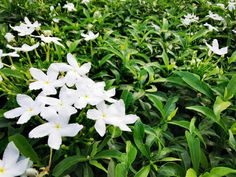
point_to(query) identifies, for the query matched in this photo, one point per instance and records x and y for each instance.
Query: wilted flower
(189, 18)
(55, 129)
(28, 108)
(89, 36)
(70, 7)
(11, 165)
(9, 37)
(113, 114)
(24, 47)
(215, 48)
(214, 16)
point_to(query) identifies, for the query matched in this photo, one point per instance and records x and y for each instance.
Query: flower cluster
(189, 18)
(75, 91)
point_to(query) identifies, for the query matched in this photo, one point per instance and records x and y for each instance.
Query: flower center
(104, 115)
(86, 96)
(46, 82)
(57, 126)
(2, 170)
(30, 109)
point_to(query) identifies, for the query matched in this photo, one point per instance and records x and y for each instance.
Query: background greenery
(185, 98)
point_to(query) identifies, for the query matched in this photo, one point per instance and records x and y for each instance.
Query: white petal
(84, 69)
(72, 60)
(52, 73)
(25, 117)
(20, 167)
(124, 127)
(100, 127)
(36, 85)
(130, 119)
(215, 44)
(48, 113)
(10, 155)
(13, 113)
(71, 130)
(38, 74)
(223, 51)
(49, 100)
(24, 100)
(54, 140)
(41, 131)
(93, 114)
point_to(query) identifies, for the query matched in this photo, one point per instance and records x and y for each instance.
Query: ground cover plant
(117, 88)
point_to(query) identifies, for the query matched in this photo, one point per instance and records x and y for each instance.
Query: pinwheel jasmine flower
(90, 36)
(70, 7)
(62, 106)
(24, 47)
(48, 39)
(215, 48)
(74, 71)
(9, 37)
(10, 165)
(47, 82)
(11, 54)
(189, 18)
(23, 30)
(28, 108)
(210, 27)
(36, 25)
(214, 16)
(55, 129)
(113, 114)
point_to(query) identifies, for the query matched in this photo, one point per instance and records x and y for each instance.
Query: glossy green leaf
(191, 173)
(219, 172)
(157, 103)
(143, 172)
(230, 90)
(24, 147)
(220, 106)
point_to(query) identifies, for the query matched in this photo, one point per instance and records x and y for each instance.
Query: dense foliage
(163, 64)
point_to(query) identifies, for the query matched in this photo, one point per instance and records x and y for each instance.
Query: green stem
(28, 57)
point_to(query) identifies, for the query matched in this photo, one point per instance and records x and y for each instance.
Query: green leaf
(232, 58)
(12, 73)
(191, 173)
(199, 34)
(220, 106)
(127, 97)
(194, 149)
(165, 59)
(138, 139)
(219, 172)
(111, 169)
(97, 164)
(131, 153)
(157, 103)
(230, 90)
(195, 82)
(121, 170)
(67, 163)
(143, 172)
(108, 154)
(232, 141)
(24, 147)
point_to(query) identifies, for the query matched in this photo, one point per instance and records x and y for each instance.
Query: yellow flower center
(86, 96)
(2, 170)
(46, 82)
(30, 109)
(104, 115)
(57, 126)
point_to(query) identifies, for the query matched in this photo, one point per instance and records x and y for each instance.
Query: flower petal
(100, 127)
(41, 131)
(54, 140)
(24, 100)
(71, 130)
(38, 74)
(14, 113)
(20, 167)
(10, 155)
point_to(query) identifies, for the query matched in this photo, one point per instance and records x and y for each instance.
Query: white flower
(156, 27)
(214, 16)
(51, 8)
(85, 1)
(215, 48)
(113, 114)
(36, 25)
(47, 82)
(11, 54)
(89, 36)
(220, 5)
(70, 7)
(62, 106)
(210, 27)
(23, 30)
(55, 129)
(28, 108)
(24, 47)
(10, 165)
(48, 39)
(56, 20)
(231, 5)
(189, 18)
(9, 37)
(74, 71)
(234, 31)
